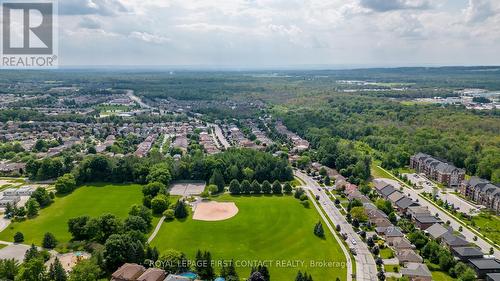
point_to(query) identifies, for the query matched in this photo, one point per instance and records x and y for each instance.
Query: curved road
(366, 269)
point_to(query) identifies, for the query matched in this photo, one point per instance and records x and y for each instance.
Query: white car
(353, 241)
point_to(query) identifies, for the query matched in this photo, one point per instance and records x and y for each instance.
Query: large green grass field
(266, 228)
(91, 200)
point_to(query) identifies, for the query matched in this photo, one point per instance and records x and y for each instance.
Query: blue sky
(263, 33)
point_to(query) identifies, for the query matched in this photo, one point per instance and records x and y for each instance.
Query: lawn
(378, 172)
(390, 267)
(488, 225)
(92, 200)
(278, 230)
(386, 253)
(437, 274)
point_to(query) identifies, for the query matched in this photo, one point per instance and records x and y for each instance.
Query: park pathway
(157, 228)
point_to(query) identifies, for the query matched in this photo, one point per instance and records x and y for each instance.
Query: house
(416, 272)
(414, 211)
(379, 185)
(404, 203)
(408, 256)
(395, 196)
(451, 240)
(485, 266)
(493, 277)
(386, 191)
(393, 231)
(128, 272)
(425, 221)
(467, 253)
(438, 170)
(482, 192)
(399, 243)
(152, 274)
(380, 222)
(12, 168)
(437, 230)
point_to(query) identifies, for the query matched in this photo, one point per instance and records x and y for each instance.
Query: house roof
(393, 231)
(493, 276)
(416, 210)
(437, 230)
(453, 240)
(427, 219)
(379, 185)
(485, 263)
(388, 190)
(468, 251)
(416, 269)
(408, 255)
(152, 274)
(395, 196)
(405, 202)
(128, 271)
(400, 243)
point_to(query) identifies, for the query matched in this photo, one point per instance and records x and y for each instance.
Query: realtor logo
(28, 34)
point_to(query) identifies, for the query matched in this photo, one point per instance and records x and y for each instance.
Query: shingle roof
(395, 196)
(152, 274)
(437, 230)
(485, 263)
(453, 240)
(493, 276)
(393, 231)
(128, 271)
(416, 269)
(388, 190)
(405, 202)
(468, 251)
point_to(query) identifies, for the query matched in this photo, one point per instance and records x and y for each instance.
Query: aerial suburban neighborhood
(353, 140)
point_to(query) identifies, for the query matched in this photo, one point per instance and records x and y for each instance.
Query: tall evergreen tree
(287, 188)
(266, 187)
(277, 187)
(256, 189)
(218, 180)
(234, 187)
(318, 230)
(246, 187)
(180, 211)
(49, 241)
(57, 272)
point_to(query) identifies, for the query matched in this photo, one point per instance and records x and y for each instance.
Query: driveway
(366, 269)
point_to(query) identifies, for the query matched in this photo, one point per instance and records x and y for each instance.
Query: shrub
(169, 214)
(18, 237)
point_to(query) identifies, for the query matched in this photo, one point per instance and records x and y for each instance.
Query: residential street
(220, 136)
(469, 235)
(366, 268)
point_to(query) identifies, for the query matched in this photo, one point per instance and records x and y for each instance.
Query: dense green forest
(395, 131)
(361, 106)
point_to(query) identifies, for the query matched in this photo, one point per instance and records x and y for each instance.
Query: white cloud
(480, 10)
(149, 38)
(282, 32)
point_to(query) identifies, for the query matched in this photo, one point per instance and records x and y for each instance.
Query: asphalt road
(366, 269)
